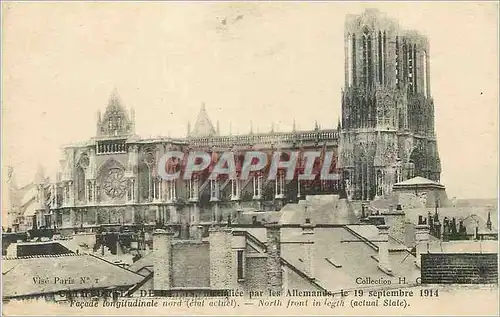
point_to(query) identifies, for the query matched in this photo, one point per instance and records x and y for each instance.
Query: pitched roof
(203, 126)
(340, 256)
(100, 273)
(418, 181)
(370, 233)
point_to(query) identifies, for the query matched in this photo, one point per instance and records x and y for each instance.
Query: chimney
(162, 255)
(221, 260)
(421, 240)
(396, 220)
(273, 265)
(383, 249)
(308, 244)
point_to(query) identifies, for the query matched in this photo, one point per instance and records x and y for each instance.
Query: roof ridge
(363, 239)
(134, 288)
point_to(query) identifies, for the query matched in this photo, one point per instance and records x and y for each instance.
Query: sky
(265, 63)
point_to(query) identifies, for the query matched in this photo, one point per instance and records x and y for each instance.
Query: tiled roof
(370, 233)
(18, 274)
(341, 255)
(340, 258)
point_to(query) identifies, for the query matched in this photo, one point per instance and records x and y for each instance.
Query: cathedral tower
(387, 131)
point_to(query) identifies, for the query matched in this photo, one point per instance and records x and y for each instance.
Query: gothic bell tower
(387, 132)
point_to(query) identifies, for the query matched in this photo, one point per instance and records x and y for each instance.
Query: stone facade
(387, 133)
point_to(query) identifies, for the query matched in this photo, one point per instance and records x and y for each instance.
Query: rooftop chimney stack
(162, 254)
(308, 233)
(273, 244)
(221, 259)
(383, 249)
(421, 239)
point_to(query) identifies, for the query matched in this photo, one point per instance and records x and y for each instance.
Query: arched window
(80, 176)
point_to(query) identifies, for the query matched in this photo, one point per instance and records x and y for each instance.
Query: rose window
(115, 184)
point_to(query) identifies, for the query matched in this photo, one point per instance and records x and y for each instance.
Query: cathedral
(386, 135)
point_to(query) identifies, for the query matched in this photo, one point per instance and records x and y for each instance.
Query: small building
(420, 192)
